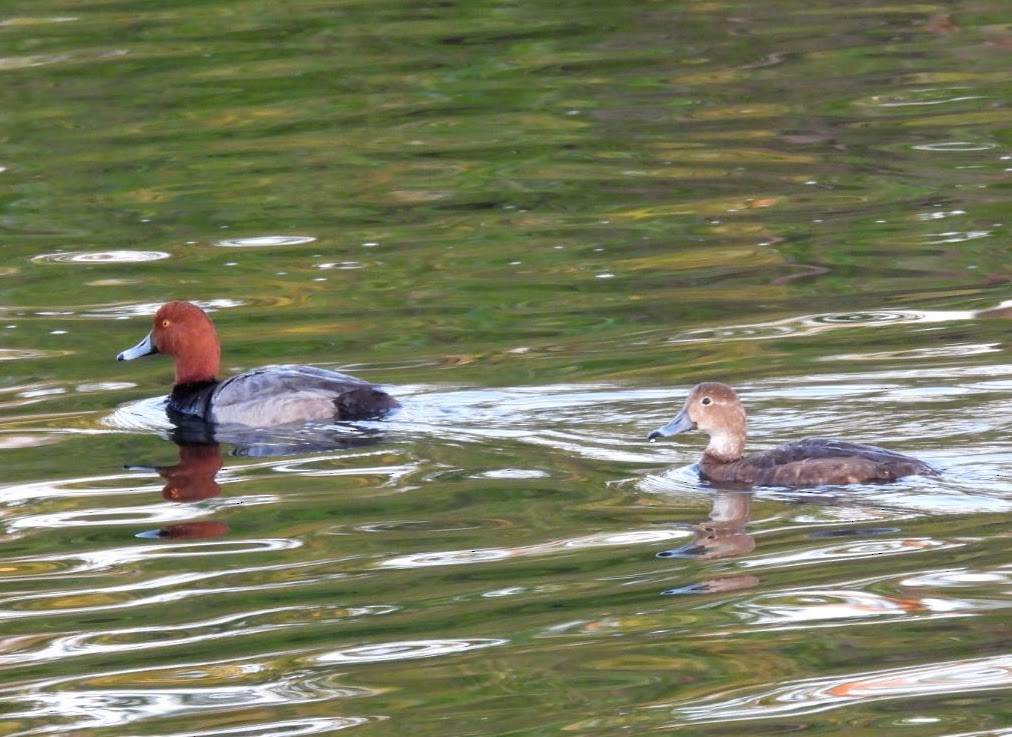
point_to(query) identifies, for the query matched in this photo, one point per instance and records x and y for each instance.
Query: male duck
(263, 397)
(715, 409)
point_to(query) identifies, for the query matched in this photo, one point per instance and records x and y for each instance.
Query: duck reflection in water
(194, 477)
(723, 534)
(715, 409)
(271, 442)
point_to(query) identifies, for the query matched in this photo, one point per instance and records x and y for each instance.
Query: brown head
(714, 409)
(184, 332)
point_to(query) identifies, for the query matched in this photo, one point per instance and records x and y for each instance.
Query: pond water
(538, 224)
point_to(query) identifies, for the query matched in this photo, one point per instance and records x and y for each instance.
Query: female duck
(264, 397)
(715, 410)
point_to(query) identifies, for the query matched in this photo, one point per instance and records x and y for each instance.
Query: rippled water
(538, 225)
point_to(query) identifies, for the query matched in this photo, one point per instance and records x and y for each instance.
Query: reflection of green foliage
(500, 193)
(538, 177)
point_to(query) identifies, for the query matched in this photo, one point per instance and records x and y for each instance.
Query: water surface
(539, 224)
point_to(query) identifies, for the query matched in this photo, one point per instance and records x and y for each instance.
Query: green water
(538, 224)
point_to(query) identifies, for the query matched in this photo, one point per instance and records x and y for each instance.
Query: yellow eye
(166, 323)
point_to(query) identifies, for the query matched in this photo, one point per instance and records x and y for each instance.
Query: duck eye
(705, 400)
(166, 323)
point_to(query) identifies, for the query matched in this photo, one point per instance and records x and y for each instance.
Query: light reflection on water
(265, 241)
(467, 557)
(103, 257)
(377, 552)
(810, 325)
(409, 650)
(813, 607)
(15, 354)
(148, 309)
(120, 705)
(541, 227)
(817, 694)
(240, 624)
(45, 566)
(123, 515)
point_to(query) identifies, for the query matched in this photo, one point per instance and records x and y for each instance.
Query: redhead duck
(715, 410)
(264, 397)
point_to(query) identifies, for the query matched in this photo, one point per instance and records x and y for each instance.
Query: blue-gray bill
(145, 348)
(681, 423)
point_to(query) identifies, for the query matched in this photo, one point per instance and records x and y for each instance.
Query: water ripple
(100, 257)
(818, 694)
(116, 699)
(956, 236)
(130, 639)
(157, 589)
(265, 241)
(955, 146)
(818, 606)
(844, 551)
(26, 20)
(908, 354)
(148, 309)
(408, 650)
(16, 354)
(466, 557)
(319, 466)
(159, 514)
(87, 486)
(126, 556)
(921, 97)
(806, 325)
(39, 60)
(960, 578)
(512, 473)
(283, 728)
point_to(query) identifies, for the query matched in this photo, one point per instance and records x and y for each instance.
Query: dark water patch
(854, 532)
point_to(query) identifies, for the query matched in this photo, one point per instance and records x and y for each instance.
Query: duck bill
(145, 348)
(681, 423)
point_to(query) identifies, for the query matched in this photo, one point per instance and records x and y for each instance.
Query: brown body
(715, 409)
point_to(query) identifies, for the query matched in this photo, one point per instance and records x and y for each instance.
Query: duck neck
(725, 446)
(198, 365)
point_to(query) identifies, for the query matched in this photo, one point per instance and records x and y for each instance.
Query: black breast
(192, 400)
